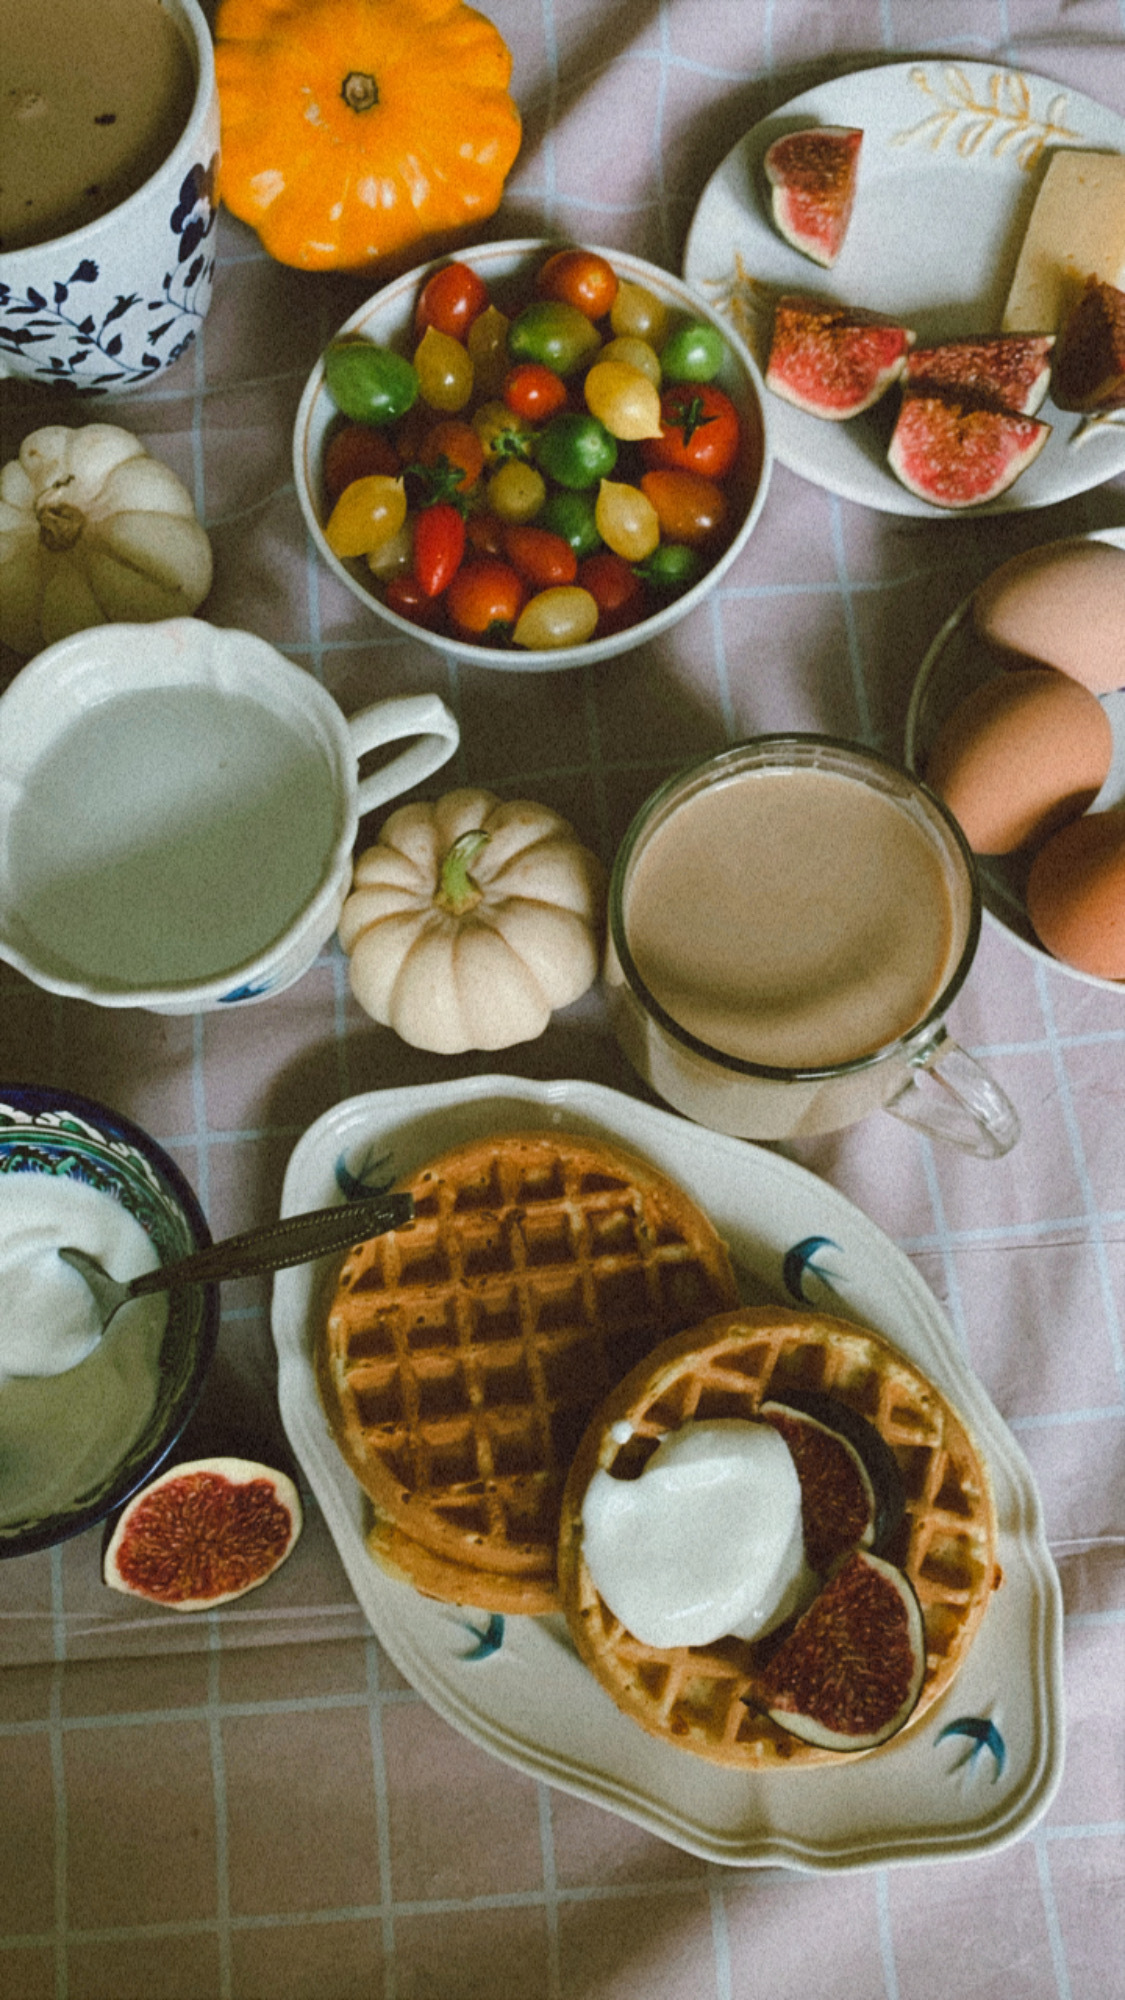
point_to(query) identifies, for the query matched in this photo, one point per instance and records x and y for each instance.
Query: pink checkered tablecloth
(255, 1804)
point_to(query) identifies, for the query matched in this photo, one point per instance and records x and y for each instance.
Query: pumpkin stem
(456, 890)
(60, 525)
(359, 91)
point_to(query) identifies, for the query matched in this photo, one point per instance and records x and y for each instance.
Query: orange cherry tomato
(578, 278)
(453, 457)
(534, 391)
(485, 598)
(616, 588)
(689, 508)
(543, 559)
(700, 431)
(355, 452)
(450, 301)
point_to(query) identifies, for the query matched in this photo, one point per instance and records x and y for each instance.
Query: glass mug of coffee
(109, 152)
(789, 922)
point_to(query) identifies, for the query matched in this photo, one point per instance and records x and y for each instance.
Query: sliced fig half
(1090, 357)
(850, 1673)
(852, 1494)
(812, 176)
(832, 360)
(956, 454)
(202, 1533)
(1008, 371)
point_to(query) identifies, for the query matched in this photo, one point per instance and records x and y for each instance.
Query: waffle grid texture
(703, 1697)
(464, 1355)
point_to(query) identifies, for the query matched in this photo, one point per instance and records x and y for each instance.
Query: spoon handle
(292, 1240)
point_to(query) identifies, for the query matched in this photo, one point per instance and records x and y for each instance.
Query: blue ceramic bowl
(53, 1132)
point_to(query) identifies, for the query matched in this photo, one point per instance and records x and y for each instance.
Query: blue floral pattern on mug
(94, 344)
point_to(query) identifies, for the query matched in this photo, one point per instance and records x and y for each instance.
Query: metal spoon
(295, 1239)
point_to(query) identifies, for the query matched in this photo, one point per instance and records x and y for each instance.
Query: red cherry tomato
(439, 544)
(355, 452)
(451, 301)
(484, 533)
(578, 278)
(689, 508)
(534, 391)
(617, 591)
(453, 455)
(701, 431)
(542, 558)
(485, 598)
(405, 595)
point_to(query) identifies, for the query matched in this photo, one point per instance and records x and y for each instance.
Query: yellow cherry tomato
(502, 433)
(517, 491)
(638, 311)
(562, 616)
(368, 513)
(487, 345)
(626, 520)
(623, 399)
(635, 353)
(394, 556)
(444, 370)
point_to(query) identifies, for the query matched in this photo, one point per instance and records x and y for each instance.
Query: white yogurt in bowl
(63, 1430)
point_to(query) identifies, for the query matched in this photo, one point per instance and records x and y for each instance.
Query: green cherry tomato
(575, 450)
(694, 353)
(571, 514)
(369, 383)
(672, 568)
(557, 335)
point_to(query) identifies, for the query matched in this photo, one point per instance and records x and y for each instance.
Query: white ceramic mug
(178, 810)
(893, 963)
(110, 305)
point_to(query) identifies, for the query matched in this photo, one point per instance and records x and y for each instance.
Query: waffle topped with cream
(706, 1697)
(464, 1354)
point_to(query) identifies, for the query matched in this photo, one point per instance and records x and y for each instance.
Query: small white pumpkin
(471, 920)
(93, 531)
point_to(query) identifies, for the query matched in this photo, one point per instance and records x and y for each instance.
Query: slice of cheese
(1077, 229)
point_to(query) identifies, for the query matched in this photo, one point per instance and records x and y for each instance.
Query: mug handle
(423, 715)
(951, 1097)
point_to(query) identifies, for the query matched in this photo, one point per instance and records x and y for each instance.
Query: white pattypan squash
(471, 920)
(94, 532)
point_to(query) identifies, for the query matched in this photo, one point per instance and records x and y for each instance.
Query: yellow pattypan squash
(353, 130)
(94, 532)
(471, 920)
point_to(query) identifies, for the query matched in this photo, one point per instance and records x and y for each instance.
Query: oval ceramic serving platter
(956, 663)
(952, 158)
(986, 1762)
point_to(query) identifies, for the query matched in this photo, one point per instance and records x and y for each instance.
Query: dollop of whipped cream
(706, 1542)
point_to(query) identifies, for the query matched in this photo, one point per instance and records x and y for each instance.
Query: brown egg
(1063, 605)
(1020, 756)
(1076, 894)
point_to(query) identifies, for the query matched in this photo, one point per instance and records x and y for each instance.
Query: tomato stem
(359, 90)
(456, 890)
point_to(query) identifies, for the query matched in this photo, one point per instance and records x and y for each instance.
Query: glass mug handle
(950, 1096)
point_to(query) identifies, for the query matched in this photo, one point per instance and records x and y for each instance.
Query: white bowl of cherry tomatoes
(532, 455)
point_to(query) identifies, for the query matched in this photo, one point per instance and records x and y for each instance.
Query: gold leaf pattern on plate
(1003, 122)
(748, 303)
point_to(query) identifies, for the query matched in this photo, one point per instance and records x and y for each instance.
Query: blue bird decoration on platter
(801, 1261)
(487, 1642)
(981, 1734)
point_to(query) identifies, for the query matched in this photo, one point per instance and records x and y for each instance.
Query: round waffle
(464, 1354)
(703, 1697)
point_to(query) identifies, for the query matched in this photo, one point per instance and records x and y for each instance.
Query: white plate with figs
(982, 1765)
(951, 161)
(956, 663)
